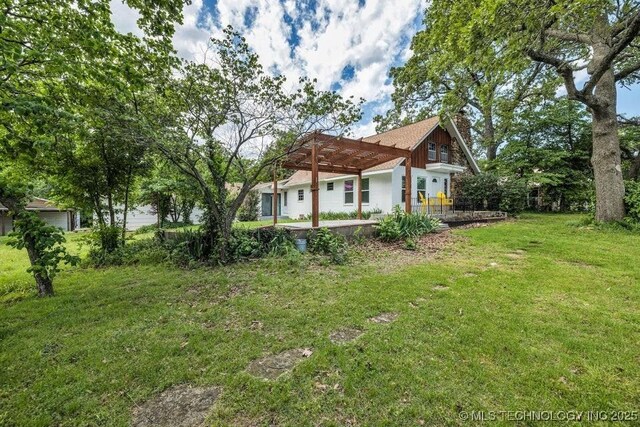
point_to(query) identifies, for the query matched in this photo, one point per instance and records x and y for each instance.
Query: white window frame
(344, 198)
(429, 151)
(362, 190)
(446, 153)
(330, 186)
(300, 196)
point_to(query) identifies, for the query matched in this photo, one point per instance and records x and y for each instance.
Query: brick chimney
(464, 126)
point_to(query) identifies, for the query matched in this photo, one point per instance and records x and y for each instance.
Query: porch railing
(434, 205)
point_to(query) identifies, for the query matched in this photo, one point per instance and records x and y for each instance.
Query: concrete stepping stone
(179, 406)
(384, 318)
(440, 288)
(345, 335)
(271, 367)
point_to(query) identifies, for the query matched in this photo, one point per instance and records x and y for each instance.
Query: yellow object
(444, 201)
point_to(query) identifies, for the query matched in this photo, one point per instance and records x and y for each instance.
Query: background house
(440, 154)
(66, 219)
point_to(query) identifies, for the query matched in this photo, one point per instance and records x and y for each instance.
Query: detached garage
(46, 210)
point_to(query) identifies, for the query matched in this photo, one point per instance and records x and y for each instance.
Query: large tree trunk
(606, 158)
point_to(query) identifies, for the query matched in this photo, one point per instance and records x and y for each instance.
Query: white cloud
(371, 39)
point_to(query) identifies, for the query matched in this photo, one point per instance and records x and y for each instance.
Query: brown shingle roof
(405, 137)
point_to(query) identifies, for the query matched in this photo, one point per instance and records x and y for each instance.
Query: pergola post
(407, 186)
(275, 195)
(359, 194)
(315, 215)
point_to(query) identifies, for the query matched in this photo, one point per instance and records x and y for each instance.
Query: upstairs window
(444, 154)
(365, 190)
(432, 151)
(348, 192)
(329, 186)
(300, 195)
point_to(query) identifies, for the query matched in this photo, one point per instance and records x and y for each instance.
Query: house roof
(39, 204)
(406, 137)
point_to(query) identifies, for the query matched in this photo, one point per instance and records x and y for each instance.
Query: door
(267, 204)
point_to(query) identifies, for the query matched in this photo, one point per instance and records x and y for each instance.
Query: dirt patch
(470, 274)
(514, 255)
(271, 367)
(345, 335)
(384, 318)
(179, 406)
(440, 288)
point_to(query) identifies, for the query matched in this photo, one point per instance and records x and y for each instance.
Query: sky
(348, 46)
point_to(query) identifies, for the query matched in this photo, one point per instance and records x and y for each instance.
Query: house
(144, 215)
(66, 219)
(439, 153)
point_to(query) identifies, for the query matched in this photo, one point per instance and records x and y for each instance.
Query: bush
(408, 226)
(333, 216)
(490, 192)
(632, 200)
(249, 209)
(513, 197)
(324, 242)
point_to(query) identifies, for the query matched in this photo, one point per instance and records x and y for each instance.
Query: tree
(235, 123)
(598, 36)
(439, 77)
(550, 148)
(46, 46)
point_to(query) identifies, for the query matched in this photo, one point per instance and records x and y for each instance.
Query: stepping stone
(384, 318)
(493, 264)
(469, 274)
(271, 367)
(345, 335)
(179, 406)
(440, 288)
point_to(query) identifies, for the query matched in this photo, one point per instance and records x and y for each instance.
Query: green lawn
(536, 315)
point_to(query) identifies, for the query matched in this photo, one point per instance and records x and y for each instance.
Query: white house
(66, 219)
(440, 153)
(146, 215)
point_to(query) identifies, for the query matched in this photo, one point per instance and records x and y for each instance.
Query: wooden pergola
(318, 152)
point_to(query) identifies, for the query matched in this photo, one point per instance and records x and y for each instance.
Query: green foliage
(408, 226)
(487, 191)
(46, 241)
(249, 209)
(632, 200)
(323, 241)
(332, 216)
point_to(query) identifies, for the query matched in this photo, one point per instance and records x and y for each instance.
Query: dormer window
(444, 154)
(432, 151)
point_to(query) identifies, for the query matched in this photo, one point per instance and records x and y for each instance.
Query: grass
(538, 315)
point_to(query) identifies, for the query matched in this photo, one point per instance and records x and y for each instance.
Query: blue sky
(348, 46)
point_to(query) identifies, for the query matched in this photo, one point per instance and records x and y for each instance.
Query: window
(446, 187)
(421, 187)
(404, 187)
(365, 190)
(329, 186)
(285, 198)
(348, 192)
(444, 154)
(432, 151)
(300, 195)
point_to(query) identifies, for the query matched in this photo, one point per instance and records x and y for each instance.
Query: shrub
(249, 209)
(489, 191)
(632, 200)
(408, 226)
(324, 242)
(333, 216)
(513, 197)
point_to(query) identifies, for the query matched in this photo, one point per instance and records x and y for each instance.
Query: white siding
(57, 219)
(143, 215)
